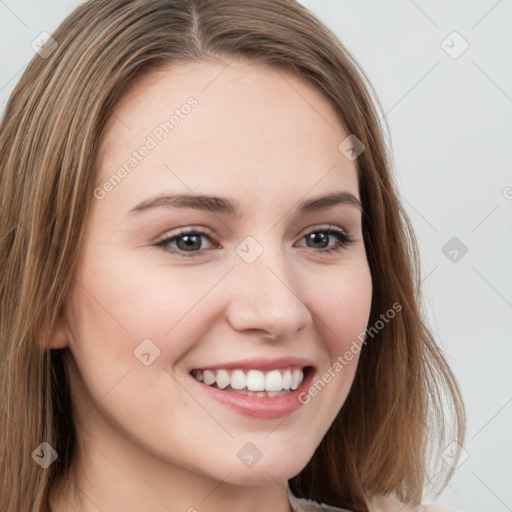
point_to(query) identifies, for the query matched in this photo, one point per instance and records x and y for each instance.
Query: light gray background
(450, 123)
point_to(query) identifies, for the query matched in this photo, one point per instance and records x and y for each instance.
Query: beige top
(378, 504)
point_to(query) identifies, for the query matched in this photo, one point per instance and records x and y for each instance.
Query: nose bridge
(265, 293)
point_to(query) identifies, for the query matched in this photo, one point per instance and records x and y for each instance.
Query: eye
(322, 236)
(186, 243)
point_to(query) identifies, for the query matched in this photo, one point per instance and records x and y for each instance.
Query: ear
(59, 335)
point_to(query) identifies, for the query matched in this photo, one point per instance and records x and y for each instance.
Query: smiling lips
(253, 382)
(259, 388)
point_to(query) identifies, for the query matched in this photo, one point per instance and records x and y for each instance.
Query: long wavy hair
(404, 404)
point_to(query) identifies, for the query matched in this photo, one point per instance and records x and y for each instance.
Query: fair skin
(151, 437)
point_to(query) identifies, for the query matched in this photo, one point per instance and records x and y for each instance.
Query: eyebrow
(223, 205)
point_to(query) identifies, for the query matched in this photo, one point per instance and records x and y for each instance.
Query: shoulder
(388, 504)
(305, 505)
(377, 504)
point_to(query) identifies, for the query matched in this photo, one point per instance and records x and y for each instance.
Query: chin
(266, 476)
(268, 472)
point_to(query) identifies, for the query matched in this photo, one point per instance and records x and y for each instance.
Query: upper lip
(263, 364)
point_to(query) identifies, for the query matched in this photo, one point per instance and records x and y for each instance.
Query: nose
(265, 297)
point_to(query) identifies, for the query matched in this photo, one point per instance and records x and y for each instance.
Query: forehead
(249, 121)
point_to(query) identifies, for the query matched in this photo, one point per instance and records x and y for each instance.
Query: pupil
(319, 237)
(190, 242)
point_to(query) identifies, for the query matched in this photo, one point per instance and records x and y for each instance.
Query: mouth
(259, 389)
(254, 382)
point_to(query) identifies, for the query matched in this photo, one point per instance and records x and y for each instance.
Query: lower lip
(260, 407)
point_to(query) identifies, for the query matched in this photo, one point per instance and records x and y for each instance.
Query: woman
(210, 297)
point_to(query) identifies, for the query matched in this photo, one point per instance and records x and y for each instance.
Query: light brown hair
(404, 394)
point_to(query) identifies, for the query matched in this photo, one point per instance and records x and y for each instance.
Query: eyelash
(343, 240)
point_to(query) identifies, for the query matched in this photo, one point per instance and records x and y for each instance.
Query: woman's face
(249, 288)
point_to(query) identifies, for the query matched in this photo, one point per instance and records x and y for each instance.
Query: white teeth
(208, 377)
(287, 379)
(253, 382)
(238, 379)
(297, 376)
(276, 393)
(262, 393)
(273, 381)
(222, 379)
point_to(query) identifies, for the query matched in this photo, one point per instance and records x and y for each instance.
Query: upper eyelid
(323, 227)
(183, 231)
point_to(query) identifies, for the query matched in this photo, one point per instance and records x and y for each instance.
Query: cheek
(342, 305)
(122, 302)
(128, 328)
